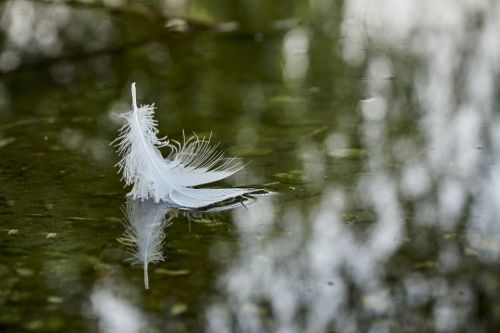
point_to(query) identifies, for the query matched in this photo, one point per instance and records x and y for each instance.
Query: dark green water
(376, 127)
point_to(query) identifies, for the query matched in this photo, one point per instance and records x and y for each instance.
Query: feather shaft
(173, 179)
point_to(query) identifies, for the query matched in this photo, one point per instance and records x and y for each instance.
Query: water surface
(376, 123)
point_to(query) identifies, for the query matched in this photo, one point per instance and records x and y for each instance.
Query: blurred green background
(375, 122)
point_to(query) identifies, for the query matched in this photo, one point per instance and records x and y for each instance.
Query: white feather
(190, 163)
(144, 226)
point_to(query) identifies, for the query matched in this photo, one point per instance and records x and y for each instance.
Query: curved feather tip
(190, 163)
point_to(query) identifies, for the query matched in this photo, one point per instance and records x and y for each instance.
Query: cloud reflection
(431, 169)
(48, 29)
(115, 314)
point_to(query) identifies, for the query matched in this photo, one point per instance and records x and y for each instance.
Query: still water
(375, 123)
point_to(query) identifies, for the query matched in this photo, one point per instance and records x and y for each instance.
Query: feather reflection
(144, 225)
(146, 221)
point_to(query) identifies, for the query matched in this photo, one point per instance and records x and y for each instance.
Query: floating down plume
(190, 163)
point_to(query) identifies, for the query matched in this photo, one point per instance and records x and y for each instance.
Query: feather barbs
(192, 162)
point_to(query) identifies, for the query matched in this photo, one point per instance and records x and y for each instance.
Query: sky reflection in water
(317, 274)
